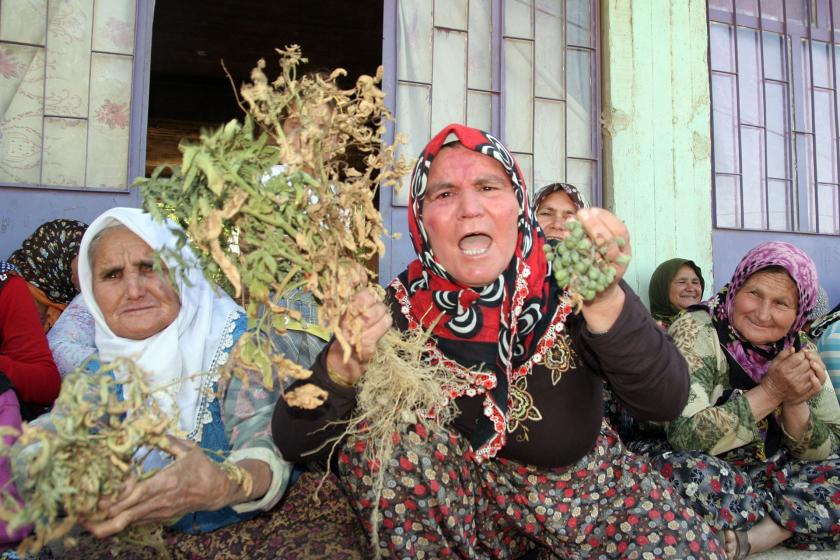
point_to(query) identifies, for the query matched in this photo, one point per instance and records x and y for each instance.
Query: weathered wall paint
(657, 131)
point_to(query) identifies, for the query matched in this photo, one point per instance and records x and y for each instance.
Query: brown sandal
(742, 544)
(742, 540)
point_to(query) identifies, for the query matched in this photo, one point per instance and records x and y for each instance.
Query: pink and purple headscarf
(753, 358)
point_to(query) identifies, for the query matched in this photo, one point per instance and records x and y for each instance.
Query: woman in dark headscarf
(674, 286)
(753, 451)
(528, 460)
(47, 260)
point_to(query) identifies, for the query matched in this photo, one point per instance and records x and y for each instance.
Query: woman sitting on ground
(48, 261)
(754, 450)
(529, 460)
(180, 335)
(25, 358)
(675, 285)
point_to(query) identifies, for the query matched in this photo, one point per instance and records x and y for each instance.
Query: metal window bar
(802, 192)
(739, 222)
(765, 211)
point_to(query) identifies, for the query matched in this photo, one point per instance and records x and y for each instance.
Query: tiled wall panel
(66, 69)
(113, 26)
(23, 21)
(110, 101)
(518, 89)
(21, 113)
(451, 14)
(518, 18)
(68, 58)
(65, 152)
(414, 105)
(513, 71)
(449, 92)
(414, 38)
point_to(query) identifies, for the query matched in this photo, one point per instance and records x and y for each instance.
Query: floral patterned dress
(733, 469)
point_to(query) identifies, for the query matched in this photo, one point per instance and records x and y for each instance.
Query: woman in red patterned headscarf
(529, 459)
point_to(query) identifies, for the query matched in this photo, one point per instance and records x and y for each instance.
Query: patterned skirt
(801, 496)
(438, 502)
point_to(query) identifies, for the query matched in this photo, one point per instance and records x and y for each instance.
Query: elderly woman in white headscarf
(180, 335)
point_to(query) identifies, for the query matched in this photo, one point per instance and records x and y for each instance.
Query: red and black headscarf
(494, 329)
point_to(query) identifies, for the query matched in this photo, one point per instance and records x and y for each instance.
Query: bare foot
(760, 537)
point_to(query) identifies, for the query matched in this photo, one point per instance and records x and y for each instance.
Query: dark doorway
(190, 38)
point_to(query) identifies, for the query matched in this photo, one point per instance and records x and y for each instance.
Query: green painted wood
(657, 131)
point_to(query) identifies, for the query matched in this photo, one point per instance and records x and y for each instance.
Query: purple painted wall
(729, 246)
(23, 209)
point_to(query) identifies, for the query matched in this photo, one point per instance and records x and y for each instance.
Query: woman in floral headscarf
(47, 260)
(529, 460)
(751, 449)
(554, 204)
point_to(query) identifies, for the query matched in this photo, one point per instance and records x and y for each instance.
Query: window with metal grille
(774, 68)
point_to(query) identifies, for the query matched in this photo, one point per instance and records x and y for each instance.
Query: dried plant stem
(402, 388)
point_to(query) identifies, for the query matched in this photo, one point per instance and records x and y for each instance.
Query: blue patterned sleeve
(247, 410)
(72, 337)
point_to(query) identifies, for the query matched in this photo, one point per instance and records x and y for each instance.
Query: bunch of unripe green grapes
(579, 265)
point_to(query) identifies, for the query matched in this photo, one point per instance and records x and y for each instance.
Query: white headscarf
(175, 357)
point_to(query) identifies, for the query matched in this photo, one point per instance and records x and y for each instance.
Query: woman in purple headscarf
(751, 449)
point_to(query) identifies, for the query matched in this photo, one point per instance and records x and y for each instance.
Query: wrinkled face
(135, 300)
(764, 309)
(685, 289)
(470, 213)
(553, 212)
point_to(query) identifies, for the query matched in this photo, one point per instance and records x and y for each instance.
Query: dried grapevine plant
(89, 449)
(283, 183)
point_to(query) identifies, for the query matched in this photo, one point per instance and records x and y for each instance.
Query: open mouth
(475, 244)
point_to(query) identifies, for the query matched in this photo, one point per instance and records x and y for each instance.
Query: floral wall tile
(23, 21)
(21, 110)
(68, 58)
(65, 147)
(113, 26)
(109, 118)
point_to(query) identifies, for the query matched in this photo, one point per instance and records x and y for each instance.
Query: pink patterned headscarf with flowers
(754, 358)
